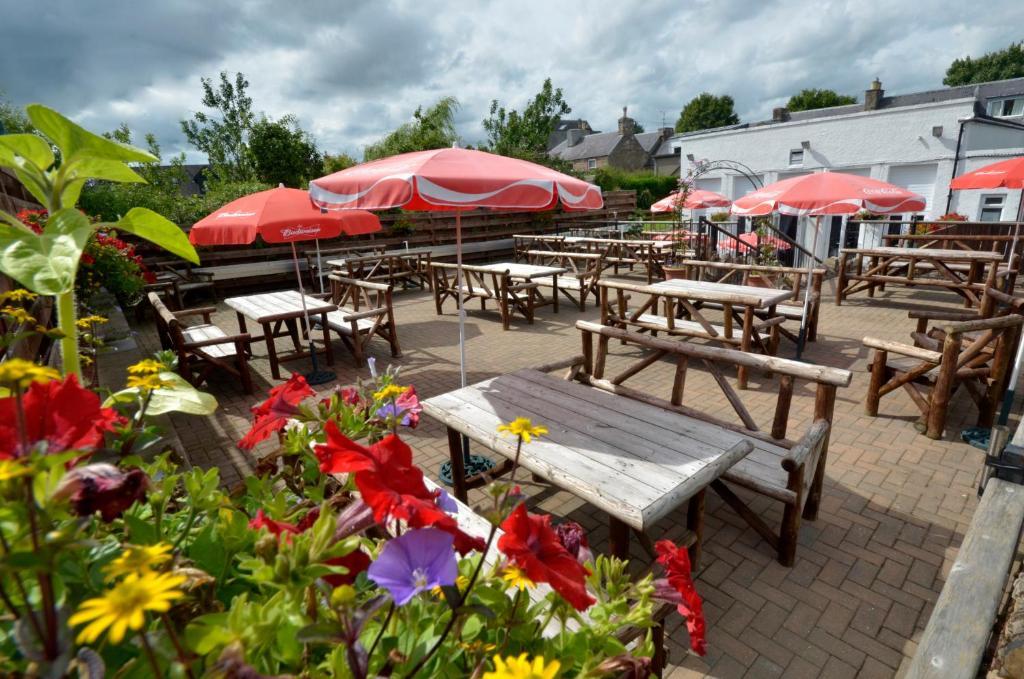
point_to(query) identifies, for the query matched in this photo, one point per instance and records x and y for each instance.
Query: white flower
(372, 362)
(294, 425)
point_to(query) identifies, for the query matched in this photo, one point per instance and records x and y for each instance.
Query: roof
(651, 141)
(596, 145)
(978, 91)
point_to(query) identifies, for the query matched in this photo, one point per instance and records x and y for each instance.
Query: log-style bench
(403, 269)
(317, 262)
(486, 284)
(785, 470)
(781, 277)
(364, 312)
(524, 243)
(580, 282)
(203, 348)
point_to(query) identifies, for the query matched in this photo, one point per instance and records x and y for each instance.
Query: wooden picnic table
(527, 273)
(279, 313)
(625, 252)
(908, 266)
(635, 461)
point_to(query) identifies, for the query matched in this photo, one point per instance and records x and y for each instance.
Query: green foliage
(525, 135)
(811, 98)
(706, 111)
(998, 65)
(433, 128)
(12, 119)
(223, 134)
(649, 187)
(337, 163)
(283, 153)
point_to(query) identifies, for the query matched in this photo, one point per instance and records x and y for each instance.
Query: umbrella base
(976, 436)
(474, 464)
(320, 377)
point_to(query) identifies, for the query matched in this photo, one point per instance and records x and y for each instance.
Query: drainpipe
(956, 160)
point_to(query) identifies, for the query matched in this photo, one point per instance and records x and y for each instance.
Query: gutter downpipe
(956, 160)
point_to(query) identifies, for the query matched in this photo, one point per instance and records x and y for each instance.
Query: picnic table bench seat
(580, 280)
(487, 284)
(364, 311)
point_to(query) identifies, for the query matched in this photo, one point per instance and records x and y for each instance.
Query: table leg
(695, 524)
(554, 292)
(841, 279)
(727, 310)
(872, 263)
(328, 351)
(458, 466)
(293, 329)
(275, 369)
(745, 340)
(618, 538)
(985, 310)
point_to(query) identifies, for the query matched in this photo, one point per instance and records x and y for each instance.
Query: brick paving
(868, 571)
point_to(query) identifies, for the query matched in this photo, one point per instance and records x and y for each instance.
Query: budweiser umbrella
(454, 179)
(697, 199)
(826, 193)
(1006, 174)
(281, 215)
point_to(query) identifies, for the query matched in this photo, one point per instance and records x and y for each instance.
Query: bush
(649, 187)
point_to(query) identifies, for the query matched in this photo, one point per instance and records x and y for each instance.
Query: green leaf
(140, 531)
(207, 632)
(16, 148)
(156, 229)
(319, 632)
(178, 397)
(73, 139)
(36, 183)
(208, 552)
(100, 168)
(46, 263)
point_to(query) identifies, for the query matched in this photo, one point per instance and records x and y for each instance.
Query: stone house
(623, 149)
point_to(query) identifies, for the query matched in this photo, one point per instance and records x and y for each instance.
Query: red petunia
(63, 414)
(356, 562)
(390, 483)
(270, 416)
(532, 545)
(102, 488)
(277, 528)
(677, 567)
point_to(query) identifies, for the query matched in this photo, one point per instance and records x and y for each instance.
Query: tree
(12, 119)
(337, 163)
(812, 98)
(999, 65)
(282, 153)
(706, 111)
(525, 135)
(638, 128)
(430, 129)
(224, 134)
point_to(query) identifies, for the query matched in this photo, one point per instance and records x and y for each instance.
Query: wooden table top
(411, 253)
(272, 306)
(635, 461)
(927, 253)
(727, 293)
(525, 271)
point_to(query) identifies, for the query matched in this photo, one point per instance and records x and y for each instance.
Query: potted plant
(671, 269)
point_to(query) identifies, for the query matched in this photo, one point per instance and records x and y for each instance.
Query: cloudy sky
(352, 70)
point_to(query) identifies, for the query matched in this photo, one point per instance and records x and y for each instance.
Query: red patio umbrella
(697, 199)
(281, 215)
(454, 179)
(751, 241)
(826, 193)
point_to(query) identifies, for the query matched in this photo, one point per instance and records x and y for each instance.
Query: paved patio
(868, 570)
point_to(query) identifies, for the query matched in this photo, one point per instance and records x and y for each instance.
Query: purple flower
(418, 560)
(409, 416)
(446, 502)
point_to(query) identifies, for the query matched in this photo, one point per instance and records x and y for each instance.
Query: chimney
(780, 115)
(626, 124)
(873, 96)
(573, 137)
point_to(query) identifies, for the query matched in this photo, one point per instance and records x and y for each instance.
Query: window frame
(987, 204)
(799, 154)
(591, 163)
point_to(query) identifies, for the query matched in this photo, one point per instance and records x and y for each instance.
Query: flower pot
(757, 280)
(674, 273)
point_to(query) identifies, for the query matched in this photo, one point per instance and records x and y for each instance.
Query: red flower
(356, 562)
(88, 259)
(271, 415)
(390, 483)
(102, 488)
(63, 414)
(530, 543)
(409, 405)
(572, 537)
(677, 566)
(277, 528)
(350, 396)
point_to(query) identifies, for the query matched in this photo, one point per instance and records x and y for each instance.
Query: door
(919, 179)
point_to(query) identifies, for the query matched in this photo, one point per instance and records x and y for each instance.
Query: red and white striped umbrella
(828, 193)
(697, 199)
(1006, 174)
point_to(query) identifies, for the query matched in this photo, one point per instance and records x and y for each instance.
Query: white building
(919, 141)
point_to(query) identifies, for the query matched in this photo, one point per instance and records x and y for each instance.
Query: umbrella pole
(317, 376)
(802, 337)
(319, 266)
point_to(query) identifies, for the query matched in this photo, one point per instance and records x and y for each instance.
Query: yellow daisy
(136, 559)
(516, 577)
(524, 428)
(19, 295)
(22, 373)
(146, 366)
(147, 382)
(86, 322)
(124, 606)
(12, 469)
(389, 392)
(521, 668)
(19, 314)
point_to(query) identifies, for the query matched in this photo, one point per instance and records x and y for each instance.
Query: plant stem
(182, 656)
(66, 320)
(149, 653)
(384, 626)
(29, 613)
(192, 513)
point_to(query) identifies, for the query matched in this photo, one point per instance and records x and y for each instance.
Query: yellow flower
(524, 428)
(462, 582)
(146, 366)
(516, 577)
(136, 559)
(12, 469)
(521, 668)
(18, 313)
(389, 392)
(147, 382)
(19, 295)
(124, 606)
(22, 373)
(87, 322)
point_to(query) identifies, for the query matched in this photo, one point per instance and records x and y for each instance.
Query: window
(591, 163)
(992, 208)
(796, 157)
(1006, 108)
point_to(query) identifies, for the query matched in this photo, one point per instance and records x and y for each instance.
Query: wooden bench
(318, 266)
(485, 284)
(524, 243)
(581, 280)
(974, 354)
(403, 269)
(785, 470)
(180, 276)
(364, 312)
(781, 277)
(203, 348)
